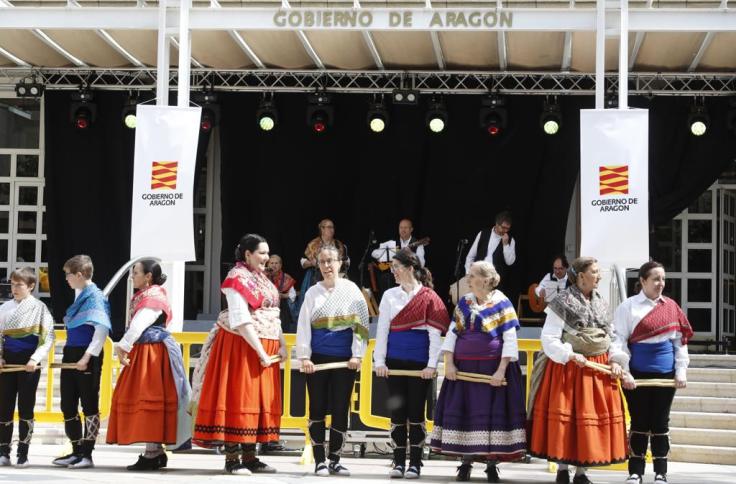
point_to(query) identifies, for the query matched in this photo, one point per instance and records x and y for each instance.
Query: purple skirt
(479, 419)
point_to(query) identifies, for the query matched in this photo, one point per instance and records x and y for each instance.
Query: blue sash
(80, 336)
(332, 343)
(412, 345)
(19, 345)
(652, 357)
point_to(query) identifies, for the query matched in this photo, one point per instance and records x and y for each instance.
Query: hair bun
(161, 279)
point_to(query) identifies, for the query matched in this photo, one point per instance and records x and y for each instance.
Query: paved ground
(203, 466)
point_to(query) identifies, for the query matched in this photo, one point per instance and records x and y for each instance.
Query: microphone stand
(458, 257)
(361, 265)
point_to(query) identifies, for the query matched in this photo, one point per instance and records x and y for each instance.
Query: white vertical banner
(614, 186)
(163, 182)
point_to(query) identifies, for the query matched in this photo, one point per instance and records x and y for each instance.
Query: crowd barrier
(362, 397)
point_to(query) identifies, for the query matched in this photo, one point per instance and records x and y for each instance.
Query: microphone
(463, 241)
(372, 237)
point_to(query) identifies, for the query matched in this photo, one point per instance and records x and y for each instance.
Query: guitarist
(387, 250)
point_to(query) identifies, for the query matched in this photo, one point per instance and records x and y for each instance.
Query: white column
(623, 58)
(600, 54)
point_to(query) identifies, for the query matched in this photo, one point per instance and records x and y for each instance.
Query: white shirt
(238, 310)
(143, 319)
(509, 251)
(383, 255)
(392, 302)
(98, 337)
(551, 287)
(627, 317)
(510, 347)
(313, 299)
(9, 307)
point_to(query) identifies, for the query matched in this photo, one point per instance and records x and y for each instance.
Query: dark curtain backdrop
(280, 184)
(89, 179)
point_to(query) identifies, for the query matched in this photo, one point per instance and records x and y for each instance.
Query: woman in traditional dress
(332, 327)
(285, 284)
(326, 238)
(237, 383)
(481, 421)
(26, 336)
(576, 412)
(152, 392)
(651, 342)
(411, 321)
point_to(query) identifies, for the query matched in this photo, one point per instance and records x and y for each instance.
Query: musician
(554, 282)
(497, 246)
(388, 249)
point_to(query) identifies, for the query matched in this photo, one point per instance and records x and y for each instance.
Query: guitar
(384, 266)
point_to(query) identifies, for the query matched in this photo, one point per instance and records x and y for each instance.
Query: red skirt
(144, 402)
(578, 416)
(240, 400)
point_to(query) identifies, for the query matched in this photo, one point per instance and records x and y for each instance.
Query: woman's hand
(283, 353)
(450, 370)
(354, 363)
(628, 382)
(381, 371)
(578, 359)
(266, 360)
(307, 367)
(616, 371)
(680, 382)
(83, 362)
(122, 356)
(498, 377)
(31, 366)
(428, 373)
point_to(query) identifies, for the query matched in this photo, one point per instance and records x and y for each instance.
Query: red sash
(153, 297)
(665, 317)
(424, 308)
(283, 281)
(257, 290)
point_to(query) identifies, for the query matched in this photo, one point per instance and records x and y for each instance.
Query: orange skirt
(240, 400)
(144, 403)
(578, 416)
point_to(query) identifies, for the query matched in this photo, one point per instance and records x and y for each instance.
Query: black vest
(497, 258)
(553, 278)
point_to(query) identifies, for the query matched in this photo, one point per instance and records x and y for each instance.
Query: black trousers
(21, 385)
(81, 386)
(649, 408)
(329, 393)
(407, 401)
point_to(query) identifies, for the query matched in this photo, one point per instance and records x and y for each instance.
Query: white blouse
(141, 321)
(392, 302)
(627, 317)
(313, 299)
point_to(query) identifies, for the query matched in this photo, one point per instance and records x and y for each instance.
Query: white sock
(563, 467)
(579, 471)
(153, 450)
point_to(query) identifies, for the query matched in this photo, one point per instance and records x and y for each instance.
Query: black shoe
(563, 477)
(581, 479)
(258, 467)
(463, 472)
(235, 467)
(149, 464)
(492, 473)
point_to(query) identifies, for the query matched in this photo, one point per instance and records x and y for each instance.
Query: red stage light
(205, 125)
(493, 130)
(319, 126)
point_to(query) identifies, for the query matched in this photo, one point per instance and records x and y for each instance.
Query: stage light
(493, 116)
(436, 115)
(551, 119)
(29, 88)
(698, 120)
(83, 110)
(267, 116)
(320, 112)
(210, 109)
(377, 116)
(405, 96)
(129, 112)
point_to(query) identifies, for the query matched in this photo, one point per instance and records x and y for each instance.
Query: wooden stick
(275, 358)
(598, 367)
(655, 382)
(476, 377)
(331, 366)
(15, 368)
(477, 380)
(414, 373)
(64, 366)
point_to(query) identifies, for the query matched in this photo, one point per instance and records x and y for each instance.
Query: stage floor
(204, 466)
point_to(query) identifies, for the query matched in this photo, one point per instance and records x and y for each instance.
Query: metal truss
(539, 83)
